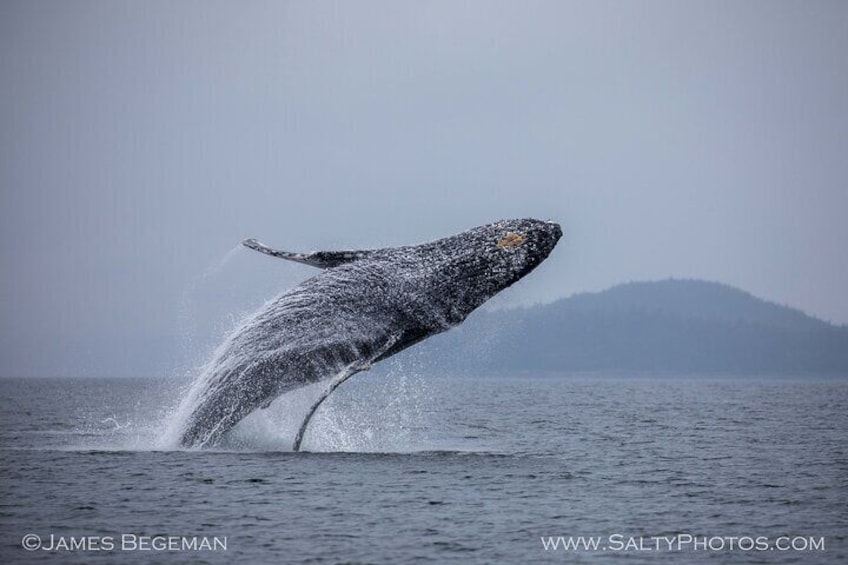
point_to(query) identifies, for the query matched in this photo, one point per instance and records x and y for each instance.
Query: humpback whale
(363, 307)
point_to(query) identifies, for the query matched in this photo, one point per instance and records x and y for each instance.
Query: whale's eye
(509, 240)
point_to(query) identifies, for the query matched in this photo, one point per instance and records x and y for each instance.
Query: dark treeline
(673, 325)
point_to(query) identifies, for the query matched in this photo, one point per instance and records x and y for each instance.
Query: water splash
(372, 413)
(200, 328)
(118, 426)
(379, 412)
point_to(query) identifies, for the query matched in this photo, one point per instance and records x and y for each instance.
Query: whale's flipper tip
(256, 245)
(320, 259)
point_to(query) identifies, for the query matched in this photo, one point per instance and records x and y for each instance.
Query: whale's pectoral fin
(363, 365)
(320, 259)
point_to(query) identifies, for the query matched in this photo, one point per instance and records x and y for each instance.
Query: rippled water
(407, 469)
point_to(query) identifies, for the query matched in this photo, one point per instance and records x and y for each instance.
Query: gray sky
(140, 141)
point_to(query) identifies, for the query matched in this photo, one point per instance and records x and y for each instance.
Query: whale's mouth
(510, 240)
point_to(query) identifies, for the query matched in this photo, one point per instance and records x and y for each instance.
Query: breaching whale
(363, 307)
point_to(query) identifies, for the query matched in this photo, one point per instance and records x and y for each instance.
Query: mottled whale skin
(362, 308)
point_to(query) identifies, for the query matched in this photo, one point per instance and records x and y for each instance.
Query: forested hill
(672, 325)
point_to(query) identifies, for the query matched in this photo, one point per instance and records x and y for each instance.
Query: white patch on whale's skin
(363, 307)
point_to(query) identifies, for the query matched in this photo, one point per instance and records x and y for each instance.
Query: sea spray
(193, 353)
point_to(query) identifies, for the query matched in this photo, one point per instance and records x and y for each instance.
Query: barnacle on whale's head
(510, 239)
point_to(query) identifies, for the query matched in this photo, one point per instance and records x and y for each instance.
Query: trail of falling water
(188, 307)
(193, 356)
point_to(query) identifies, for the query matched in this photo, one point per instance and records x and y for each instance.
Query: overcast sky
(141, 141)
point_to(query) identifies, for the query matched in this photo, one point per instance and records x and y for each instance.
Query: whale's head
(485, 260)
(510, 249)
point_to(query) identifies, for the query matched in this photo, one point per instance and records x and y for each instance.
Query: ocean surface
(406, 468)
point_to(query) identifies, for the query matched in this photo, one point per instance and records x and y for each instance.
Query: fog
(141, 141)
